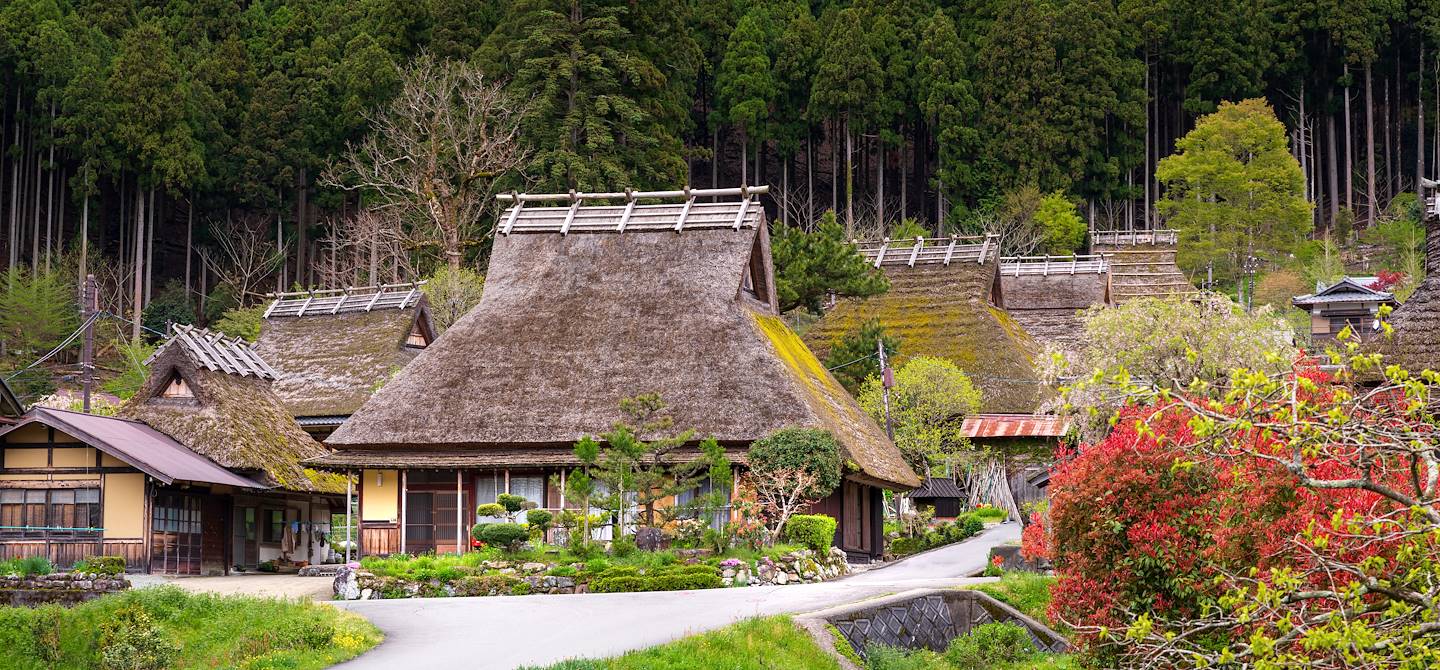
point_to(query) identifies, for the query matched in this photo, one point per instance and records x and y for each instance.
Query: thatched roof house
(946, 300)
(587, 304)
(1416, 345)
(1046, 294)
(213, 395)
(1142, 263)
(331, 350)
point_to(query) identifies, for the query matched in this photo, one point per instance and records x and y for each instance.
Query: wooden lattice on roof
(213, 351)
(587, 213)
(928, 250)
(344, 300)
(1015, 266)
(1118, 238)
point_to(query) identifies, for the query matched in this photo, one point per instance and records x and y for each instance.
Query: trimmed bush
(539, 519)
(670, 578)
(815, 531)
(814, 451)
(104, 565)
(504, 535)
(490, 509)
(973, 526)
(510, 503)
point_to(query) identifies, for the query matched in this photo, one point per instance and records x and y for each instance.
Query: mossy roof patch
(946, 312)
(235, 421)
(330, 364)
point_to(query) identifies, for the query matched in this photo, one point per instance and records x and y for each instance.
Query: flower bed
(683, 569)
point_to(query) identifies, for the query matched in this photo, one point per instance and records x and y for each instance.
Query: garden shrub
(989, 645)
(509, 502)
(622, 546)
(490, 509)
(882, 657)
(130, 640)
(520, 588)
(104, 565)
(539, 520)
(30, 566)
(562, 571)
(504, 535)
(972, 526)
(816, 531)
(669, 578)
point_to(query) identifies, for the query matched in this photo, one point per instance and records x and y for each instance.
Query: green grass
(1027, 592)
(990, 513)
(447, 567)
(754, 644)
(210, 632)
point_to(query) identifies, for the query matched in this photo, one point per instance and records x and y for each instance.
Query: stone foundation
(60, 588)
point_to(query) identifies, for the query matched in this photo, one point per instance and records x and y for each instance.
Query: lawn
(1027, 592)
(165, 627)
(754, 644)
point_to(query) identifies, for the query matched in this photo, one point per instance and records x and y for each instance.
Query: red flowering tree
(1387, 280)
(1271, 521)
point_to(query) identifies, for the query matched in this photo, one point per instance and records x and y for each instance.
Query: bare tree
(245, 256)
(366, 248)
(781, 493)
(437, 152)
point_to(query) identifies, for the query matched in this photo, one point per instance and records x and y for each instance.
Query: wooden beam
(684, 212)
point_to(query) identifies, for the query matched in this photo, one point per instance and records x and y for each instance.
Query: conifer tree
(744, 85)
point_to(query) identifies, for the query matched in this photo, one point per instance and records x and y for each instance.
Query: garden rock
(347, 583)
(532, 568)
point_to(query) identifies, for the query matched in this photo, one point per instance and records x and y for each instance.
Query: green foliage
(510, 503)
(131, 641)
(165, 627)
(811, 265)
(1233, 189)
(808, 449)
(815, 531)
(170, 305)
(1064, 231)
(133, 371)
(504, 535)
(671, 578)
(104, 565)
(28, 566)
(753, 644)
(989, 645)
(242, 322)
(452, 294)
(852, 358)
(928, 406)
(539, 520)
(963, 528)
(744, 85)
(490, 509)
(882, 657)
(38, 311)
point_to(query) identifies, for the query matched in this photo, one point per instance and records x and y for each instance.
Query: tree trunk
(785, 187)
(880, 185)
(50, 193)
(1331, 149)
(1349, 150)
(1420, 118)
(301, 243)
(138, 291)
(150, 247)
(35, 213)
(849, 181)
(189, 239)
(715, 157)
(904, 173)
(744, 157)
(809, 178)
(1389, 191)
(84, 237)
(1369, 147)
(834, 167)
(13, 240)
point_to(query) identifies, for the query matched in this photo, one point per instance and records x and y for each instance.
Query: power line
(71, 339)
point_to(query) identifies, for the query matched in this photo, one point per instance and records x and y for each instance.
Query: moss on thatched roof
(330, 364)
(232, 420)
(570, 325)
(947, 312)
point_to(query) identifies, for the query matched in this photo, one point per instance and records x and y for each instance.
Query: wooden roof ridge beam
(743, 191)
(684, 211)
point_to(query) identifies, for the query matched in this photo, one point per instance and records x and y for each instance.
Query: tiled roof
(211, 350)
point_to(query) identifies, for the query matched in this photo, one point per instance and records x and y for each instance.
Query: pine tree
(1020, 86)
(810, 266)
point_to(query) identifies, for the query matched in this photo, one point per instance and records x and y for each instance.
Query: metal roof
(211, 350)
(938, 487)
(1349, 289)
(578, 216)
(1015, 425)
(344, 300)
(149, 450)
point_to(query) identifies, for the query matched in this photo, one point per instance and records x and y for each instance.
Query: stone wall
(60, 588)
(797, 567)
(927, 619)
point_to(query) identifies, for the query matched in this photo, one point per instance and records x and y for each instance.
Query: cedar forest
(193, 154)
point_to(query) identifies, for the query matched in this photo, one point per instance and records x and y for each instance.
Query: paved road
(273, 586)
(502, 633)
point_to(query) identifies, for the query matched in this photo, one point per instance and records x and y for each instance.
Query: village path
(503, 633)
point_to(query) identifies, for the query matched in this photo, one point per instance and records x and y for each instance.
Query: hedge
(815, 531)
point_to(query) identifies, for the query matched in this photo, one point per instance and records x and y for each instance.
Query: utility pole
(887, 378)
(87, 349)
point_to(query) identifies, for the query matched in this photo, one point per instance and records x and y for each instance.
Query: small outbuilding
(941, 494)
(1352, 302)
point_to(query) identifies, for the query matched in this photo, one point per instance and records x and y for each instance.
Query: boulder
(532, 568)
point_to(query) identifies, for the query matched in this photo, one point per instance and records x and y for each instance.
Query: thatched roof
(571, 324)
(1142, 263)
(334, 353)
(954, 311)
(1046, 295)
(1416, 345)
(231, 419)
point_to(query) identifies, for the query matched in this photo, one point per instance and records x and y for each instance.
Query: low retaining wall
(926, 618)
(60, 588)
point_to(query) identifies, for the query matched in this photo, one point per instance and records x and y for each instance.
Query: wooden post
(459, 516)
(87, 348)
(403, 482)
(349, 491)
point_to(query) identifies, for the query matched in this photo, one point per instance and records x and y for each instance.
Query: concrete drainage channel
(921, 618)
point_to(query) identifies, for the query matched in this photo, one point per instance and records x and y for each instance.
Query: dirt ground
(279, 586)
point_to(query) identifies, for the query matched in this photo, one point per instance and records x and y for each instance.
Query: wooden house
(1351, 302)
(213, 395)
(1141, 263)
(942, 495)
(74, 485)
(331, 350)
(946, 299)
(603, 297)
(1047, 294)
